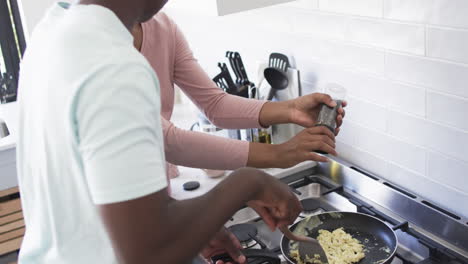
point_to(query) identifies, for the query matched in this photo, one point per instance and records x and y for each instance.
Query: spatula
(276, 73)
(308, 247)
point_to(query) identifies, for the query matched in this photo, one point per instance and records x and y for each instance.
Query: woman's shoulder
(161, 19)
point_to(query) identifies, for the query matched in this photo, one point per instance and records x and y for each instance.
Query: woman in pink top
(166, 49)
(168, 52)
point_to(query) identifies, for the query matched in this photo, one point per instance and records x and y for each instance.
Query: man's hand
(304, 110)
(275, 202)
(224, 241)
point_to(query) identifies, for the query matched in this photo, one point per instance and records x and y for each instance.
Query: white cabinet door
(221, 7)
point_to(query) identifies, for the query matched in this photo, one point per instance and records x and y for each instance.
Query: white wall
(33, 10)
(404, 63)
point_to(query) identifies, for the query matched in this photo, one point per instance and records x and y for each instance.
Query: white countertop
(9, 112)
(207, 183)
(7, 143)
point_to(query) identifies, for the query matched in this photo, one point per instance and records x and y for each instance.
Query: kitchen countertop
(7, 143)
(207, 183)
(8, 112)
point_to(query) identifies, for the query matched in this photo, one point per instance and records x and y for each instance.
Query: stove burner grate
(246, 234)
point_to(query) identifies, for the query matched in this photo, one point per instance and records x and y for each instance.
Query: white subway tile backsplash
(426, 188)
(406, 154)
(449, 110)
(347, 133)
(429, 134)
(371, 8)
(367, 114)
(371, 141)
(363, 58)
(336, 53)
(304, 4)
(406, 98)
(438, 75)
(343, 149)
(414, 10)
(447, 44)
(364, 86)
(390, 148)
(436, 12)
(362, 159)
(441, 168)
(409, 128)
(406, 74)
(246, 21)
(389, 35)
(319, 24)
(311, 51)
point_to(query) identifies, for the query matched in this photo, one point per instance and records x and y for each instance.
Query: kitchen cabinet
(221, 7)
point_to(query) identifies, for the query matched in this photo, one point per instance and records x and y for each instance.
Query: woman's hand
(302, 147)
(224, 241)
(304, 110)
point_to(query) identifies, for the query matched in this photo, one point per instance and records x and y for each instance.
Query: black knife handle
(262, 254)
(232, 61)
(242, 70)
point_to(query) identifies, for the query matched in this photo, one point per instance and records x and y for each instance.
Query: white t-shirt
(90, 133)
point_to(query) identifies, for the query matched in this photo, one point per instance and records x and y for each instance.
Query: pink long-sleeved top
(169, 54)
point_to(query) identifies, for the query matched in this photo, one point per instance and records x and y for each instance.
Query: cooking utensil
(308, 247)
(276, 73)
(378, 239)
(279, 61)
(224, 80)
(227, 74)
(252, 89)
(244, 80)
(277, 79)
(231, 57)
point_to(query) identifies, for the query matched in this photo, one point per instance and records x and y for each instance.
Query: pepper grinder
(327, 114)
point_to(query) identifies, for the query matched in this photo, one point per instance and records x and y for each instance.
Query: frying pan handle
(403, 226)
(251, 253)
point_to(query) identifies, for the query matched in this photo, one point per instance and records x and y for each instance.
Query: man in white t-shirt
(90, 150)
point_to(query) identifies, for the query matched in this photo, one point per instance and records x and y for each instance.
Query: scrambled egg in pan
(339, 246)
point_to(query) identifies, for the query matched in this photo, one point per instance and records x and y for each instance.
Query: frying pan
(379, 240)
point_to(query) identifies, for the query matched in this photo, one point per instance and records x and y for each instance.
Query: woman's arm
(222, 109)
(200, 150)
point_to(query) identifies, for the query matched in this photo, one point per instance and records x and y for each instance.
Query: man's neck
(137, 33)
(123, 9)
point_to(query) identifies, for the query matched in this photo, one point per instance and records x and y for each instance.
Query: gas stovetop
(426, 233)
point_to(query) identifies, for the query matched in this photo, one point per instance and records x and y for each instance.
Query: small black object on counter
(191, 185)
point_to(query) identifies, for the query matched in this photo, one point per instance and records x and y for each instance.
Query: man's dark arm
(158, 229)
